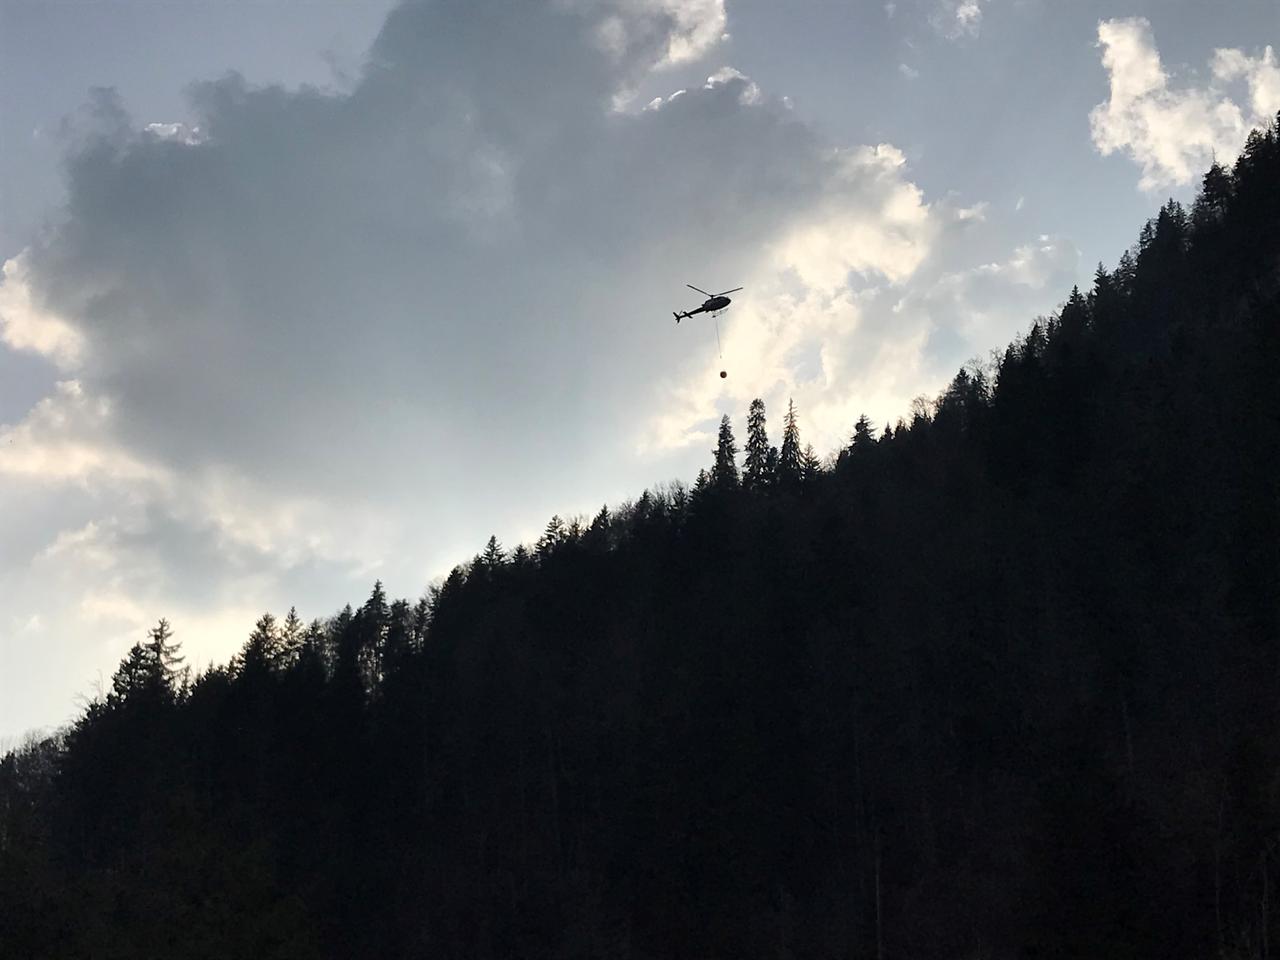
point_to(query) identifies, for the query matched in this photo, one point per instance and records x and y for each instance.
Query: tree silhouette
(789, 465)
(492, 559)
(724, 472)
(262, 651)
(756, 468)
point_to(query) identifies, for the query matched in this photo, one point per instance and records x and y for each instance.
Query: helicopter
(714, 303)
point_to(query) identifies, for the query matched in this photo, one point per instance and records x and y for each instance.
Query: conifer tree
(292, 636)
(810, 466)
(789, 465)
(1074, 318)
(150, 669)
(371, 627)
(422, 620)
(492, 558)
(163, 655)
(1125, 271)
(343, 641)
(134, 676)
(1216, 190)
(375, 608)
(443, 596)
(642, 510)
(597, 538)
(262, 650)
(724, 472)
(399, 645)
(679, 500)
(551, 538)
(1105, 302)
(864, 436)
(755, 475)
(314, 656)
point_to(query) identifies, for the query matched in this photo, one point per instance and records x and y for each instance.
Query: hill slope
(1002, 682)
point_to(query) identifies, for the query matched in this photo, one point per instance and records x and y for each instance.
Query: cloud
(842, 351)
(954, 19)
(911, 73)
(970, 311)
(1173, 133)
(313, 337)
(178, 132)
(27, 325)
(63, 439)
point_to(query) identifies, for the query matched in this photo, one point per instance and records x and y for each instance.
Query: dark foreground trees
(1002, 682)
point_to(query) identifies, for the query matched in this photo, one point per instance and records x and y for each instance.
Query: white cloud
(26, 325)
(176, 132)
(677, 31)
(749, 91)
(1260, 74)
(986, 305)
(954, 19)
(911, 73)
(1173, 133)
(66, 438)
(699, 26)
(840, 352)
(875, 222)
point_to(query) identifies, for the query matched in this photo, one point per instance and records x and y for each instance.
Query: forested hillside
(1001, 681)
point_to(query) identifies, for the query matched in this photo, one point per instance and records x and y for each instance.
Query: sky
(300, 295)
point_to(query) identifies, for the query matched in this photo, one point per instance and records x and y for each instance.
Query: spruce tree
(422, 619)
(292, 636)
(724, 472)
(552, 537)
(343, 640)
(371, 627)
(597, 539)
(810, 466)
(399, 645)
(755, 475)
(492, 558)
(1073, 321)
(134, 677)
(261, 651)
(789, 465)
(1211, 205)
(864, 436)
(163, 655)
(315, 656)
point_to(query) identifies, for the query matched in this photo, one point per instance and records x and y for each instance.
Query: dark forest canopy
(1002, 680)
